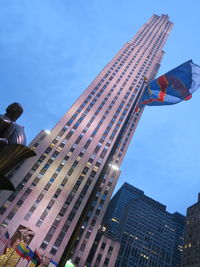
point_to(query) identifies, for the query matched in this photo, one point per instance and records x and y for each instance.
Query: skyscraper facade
(63, 192)
(148, 235)
(191, 249)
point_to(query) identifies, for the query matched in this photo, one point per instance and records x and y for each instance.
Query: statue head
(14, 111)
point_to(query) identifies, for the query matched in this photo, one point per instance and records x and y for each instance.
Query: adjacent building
(191, 250)
(148, 235)
(62, 193)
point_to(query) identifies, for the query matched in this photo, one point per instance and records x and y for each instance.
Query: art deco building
(148, 235)
(191, 250)
(63, 192)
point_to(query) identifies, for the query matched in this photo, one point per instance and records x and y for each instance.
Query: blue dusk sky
(51, 50)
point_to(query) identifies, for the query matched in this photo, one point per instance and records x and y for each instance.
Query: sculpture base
(10, 156)
(6, 184)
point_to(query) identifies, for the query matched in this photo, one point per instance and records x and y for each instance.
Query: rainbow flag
(22, 250)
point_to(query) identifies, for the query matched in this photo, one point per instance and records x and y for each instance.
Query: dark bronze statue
(12, 144)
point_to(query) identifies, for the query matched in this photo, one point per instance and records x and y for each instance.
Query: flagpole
(43, 258)
(141, 93)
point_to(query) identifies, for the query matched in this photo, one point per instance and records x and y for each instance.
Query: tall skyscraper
(148, 235)
(64, 191)
(191, 249)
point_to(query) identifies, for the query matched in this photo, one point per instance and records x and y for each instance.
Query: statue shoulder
(18, 135)
(5, 120)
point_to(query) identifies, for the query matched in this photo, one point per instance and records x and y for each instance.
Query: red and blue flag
(173, 87)
(30, 254)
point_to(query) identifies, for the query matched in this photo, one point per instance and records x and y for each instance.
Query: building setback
(147, 233)
(63, 192)
(191, 249)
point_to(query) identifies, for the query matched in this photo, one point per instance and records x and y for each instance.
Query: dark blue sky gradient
(51, 50)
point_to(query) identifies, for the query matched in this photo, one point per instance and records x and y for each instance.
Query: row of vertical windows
(145, 31)
(73, 212)
(69, 174)
(95, 208)
(46, 188)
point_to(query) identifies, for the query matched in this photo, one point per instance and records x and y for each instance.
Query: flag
(36, 259)
(22, 250)
(52, 263)
(173, 87)
(30, 254)
(5, 238)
